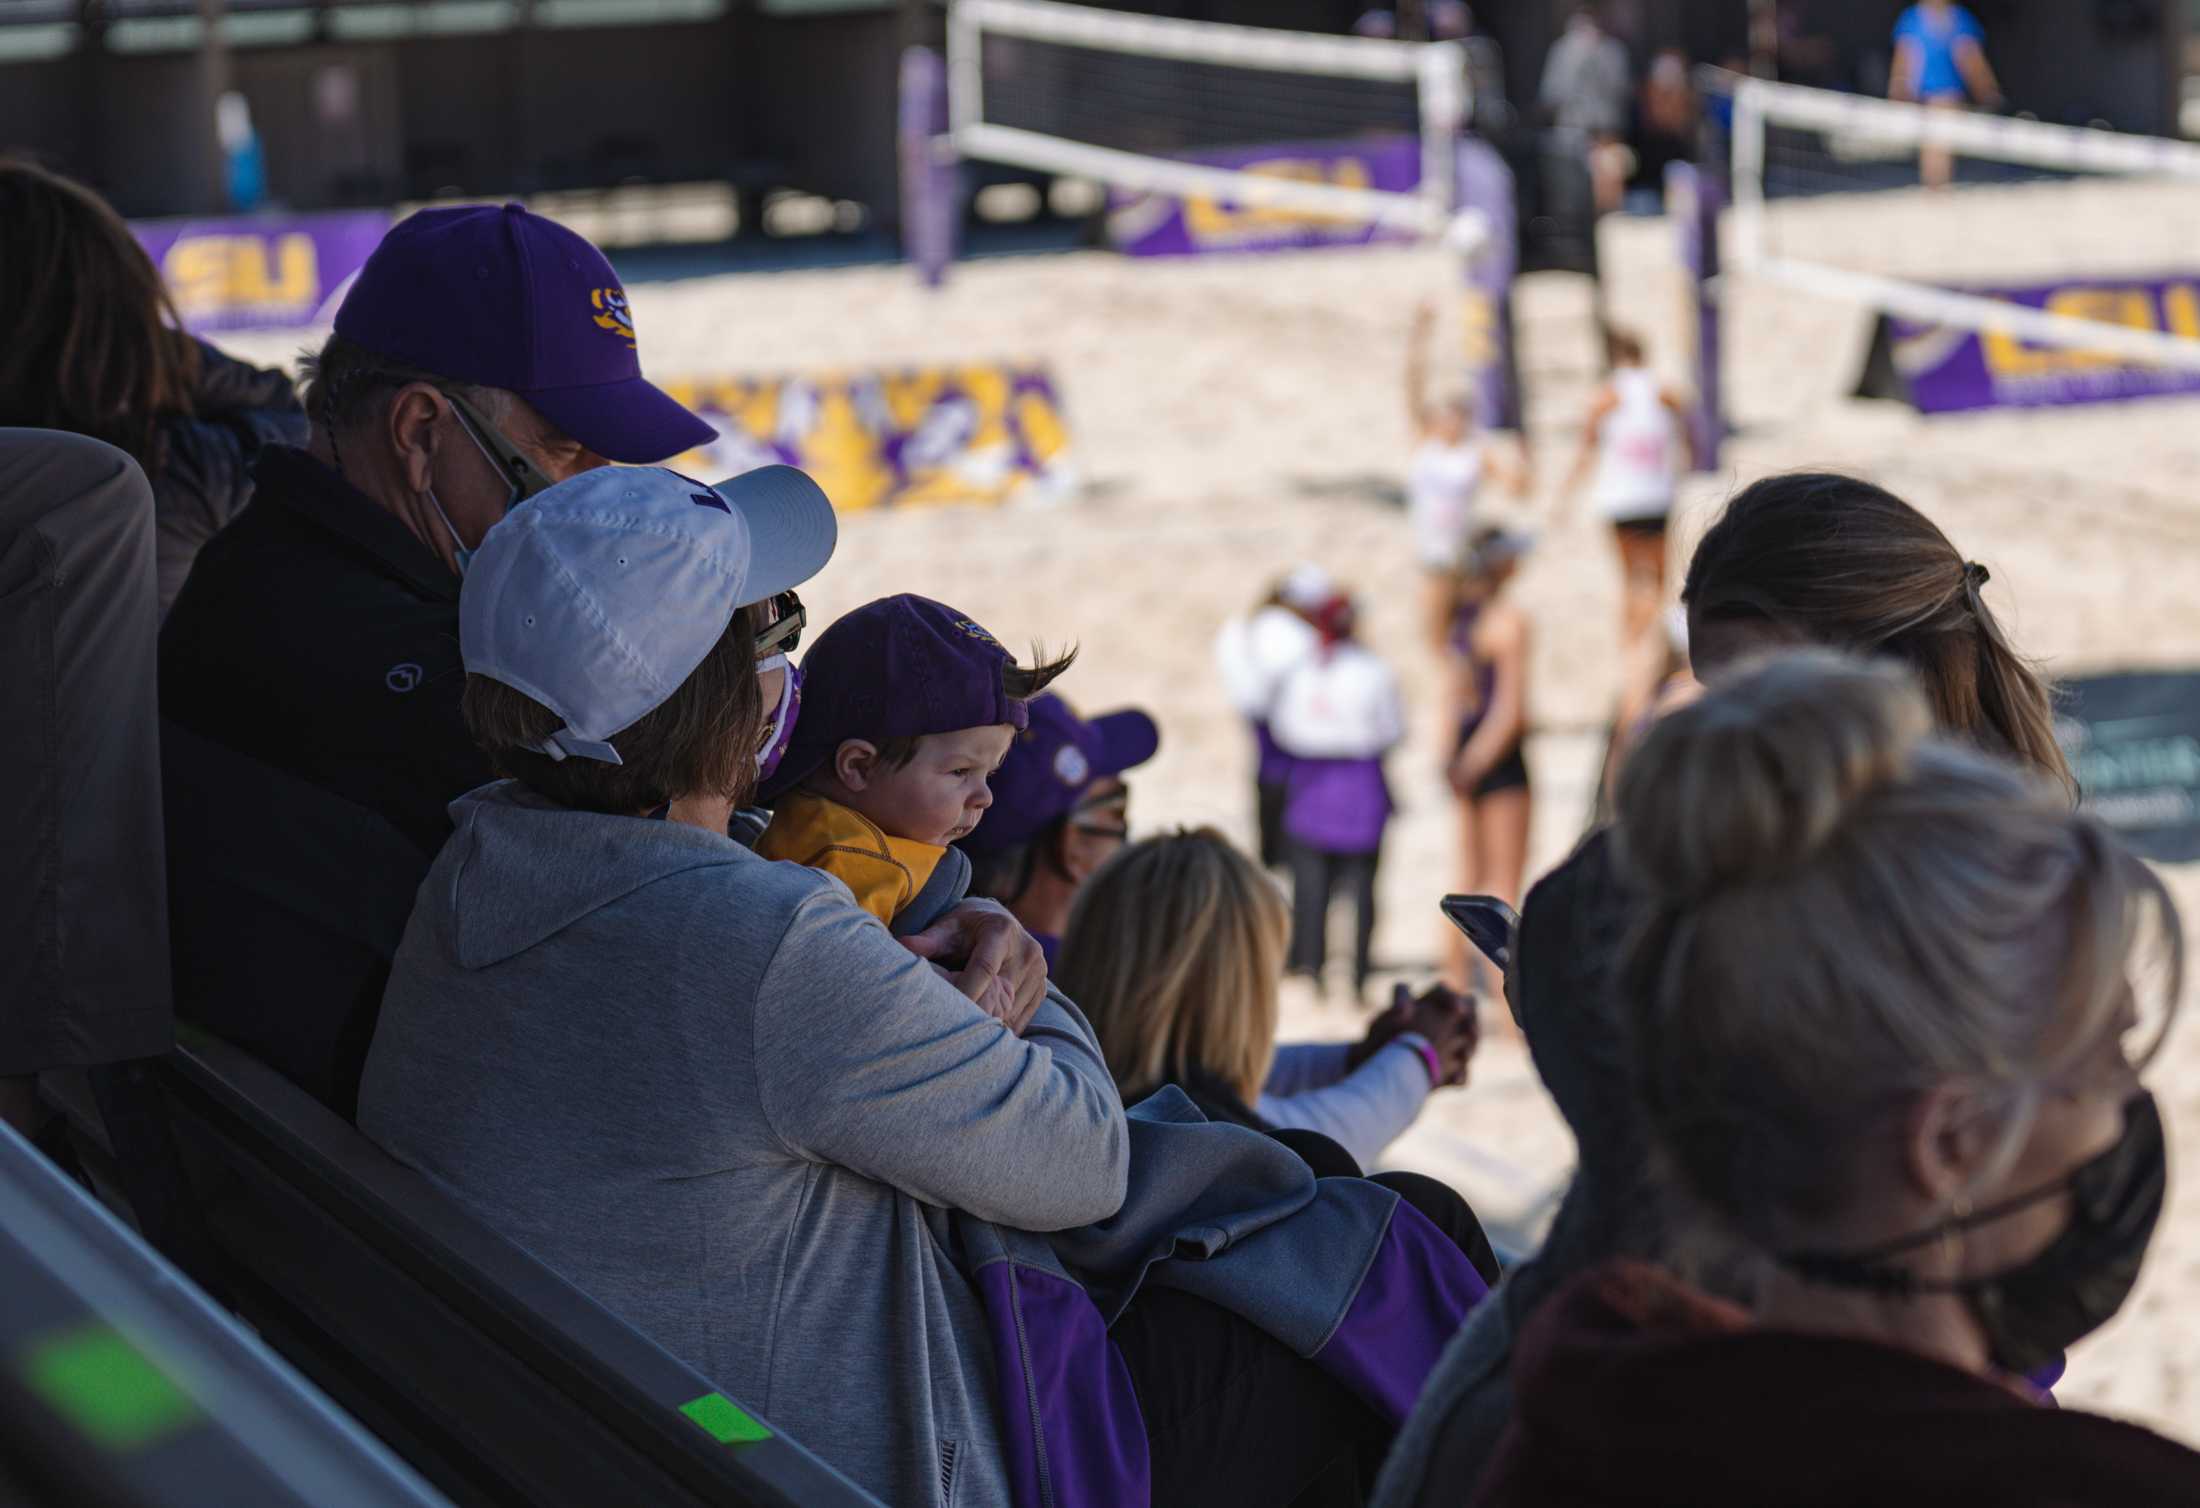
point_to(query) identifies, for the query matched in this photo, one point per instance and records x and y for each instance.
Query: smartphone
(1489, 923)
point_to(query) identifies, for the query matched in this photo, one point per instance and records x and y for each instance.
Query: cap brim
(792, 526)
(633, 421)
(1127, 740)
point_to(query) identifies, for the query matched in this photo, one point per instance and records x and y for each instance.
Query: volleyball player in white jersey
(1444, 478)
(1634, 442)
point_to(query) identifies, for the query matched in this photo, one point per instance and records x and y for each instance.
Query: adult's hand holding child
(990, 958)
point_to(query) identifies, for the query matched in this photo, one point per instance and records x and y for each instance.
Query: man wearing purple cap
(482, 355)
(1059, 811)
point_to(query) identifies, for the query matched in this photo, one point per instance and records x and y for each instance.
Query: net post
(1693, 198)
(1485, 186)
(931, 175)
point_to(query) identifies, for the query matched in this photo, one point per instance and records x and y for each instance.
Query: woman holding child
(719, 1095)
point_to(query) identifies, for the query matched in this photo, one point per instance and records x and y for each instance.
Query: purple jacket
(1341, 1270)
(1337, 805)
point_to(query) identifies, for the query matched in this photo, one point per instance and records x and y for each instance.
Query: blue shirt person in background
(1940, 61)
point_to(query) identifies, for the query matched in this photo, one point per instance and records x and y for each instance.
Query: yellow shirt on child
(884, 872)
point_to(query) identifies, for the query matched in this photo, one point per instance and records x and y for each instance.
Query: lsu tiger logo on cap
(1071, 766)
(972, 630)
(612, 313)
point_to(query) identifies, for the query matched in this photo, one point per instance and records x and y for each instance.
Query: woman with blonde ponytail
(1889, 1000)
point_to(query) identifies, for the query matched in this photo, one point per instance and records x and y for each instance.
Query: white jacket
(1343, 705)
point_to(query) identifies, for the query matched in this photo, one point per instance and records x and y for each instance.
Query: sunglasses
(523, 476)
(784, 630)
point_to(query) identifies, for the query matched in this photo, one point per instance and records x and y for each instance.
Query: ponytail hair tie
(1975, 575)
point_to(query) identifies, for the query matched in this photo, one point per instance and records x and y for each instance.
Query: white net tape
(1126, 99)
(2032, 202)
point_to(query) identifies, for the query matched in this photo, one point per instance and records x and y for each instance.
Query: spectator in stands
(1934, 1162)
(1338, 714)
(84, 969)
(1174, 952)
(94, 347)
(1253, 654)
(1060, 810)
(1668, 118)
(1797, 560)
(1588, 90)
(482, 355)
(719, 1096)
(1940, 61)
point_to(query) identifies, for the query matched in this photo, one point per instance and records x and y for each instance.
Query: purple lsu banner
(977, 433)
(1162, 225)
(262, 271)
(1947, 370)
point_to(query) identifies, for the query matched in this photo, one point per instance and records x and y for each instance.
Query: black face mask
(2035, 1311)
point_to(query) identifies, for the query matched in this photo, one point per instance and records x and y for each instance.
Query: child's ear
(855, 763)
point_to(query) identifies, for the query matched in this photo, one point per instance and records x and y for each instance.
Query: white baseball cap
(1307, 586)
(599, 596)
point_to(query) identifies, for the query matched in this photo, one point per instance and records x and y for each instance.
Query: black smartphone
(1489, 923)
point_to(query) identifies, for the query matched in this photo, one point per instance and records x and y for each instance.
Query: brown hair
(1174, 951)
(701, 740)
(1919, 913)
(1018, 683)
(1851, 566)
(1622, 348)
(93, 344)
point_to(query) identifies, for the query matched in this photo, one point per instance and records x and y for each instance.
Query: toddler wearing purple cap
(908, 707)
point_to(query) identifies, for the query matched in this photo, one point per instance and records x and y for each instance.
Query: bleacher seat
(492, 1375)
(124, 1385)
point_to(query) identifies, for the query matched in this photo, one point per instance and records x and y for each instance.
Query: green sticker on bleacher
(725, 1420)
(107, 1388)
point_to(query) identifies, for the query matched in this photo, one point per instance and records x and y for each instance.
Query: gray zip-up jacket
(727, 1104)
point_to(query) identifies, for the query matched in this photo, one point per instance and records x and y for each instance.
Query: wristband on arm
(1429, 1059)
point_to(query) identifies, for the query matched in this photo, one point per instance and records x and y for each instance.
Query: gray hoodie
(725, 1102)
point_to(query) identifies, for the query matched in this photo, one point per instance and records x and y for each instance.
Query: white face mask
(772, 749)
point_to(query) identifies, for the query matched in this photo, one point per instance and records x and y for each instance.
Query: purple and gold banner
(1947, 370)
(261, 272)
(979, 433)
(1161, 225)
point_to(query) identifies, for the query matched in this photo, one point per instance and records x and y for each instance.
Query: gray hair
(1844, 910)
(344, 383)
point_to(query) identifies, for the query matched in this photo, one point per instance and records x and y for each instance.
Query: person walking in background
(1940, 62)
(1337, 715)
(1445, 475)
(1633, 446)
(94, 347)
(1487, 767)
(1588, 90)
(1254, 653)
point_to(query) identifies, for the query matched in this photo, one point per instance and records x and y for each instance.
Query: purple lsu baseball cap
(504, 298)
(1051, 764)
(900, 667)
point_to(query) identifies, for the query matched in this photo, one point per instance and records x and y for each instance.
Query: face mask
(2036, 1310)
(774, 748)
(460, 555)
